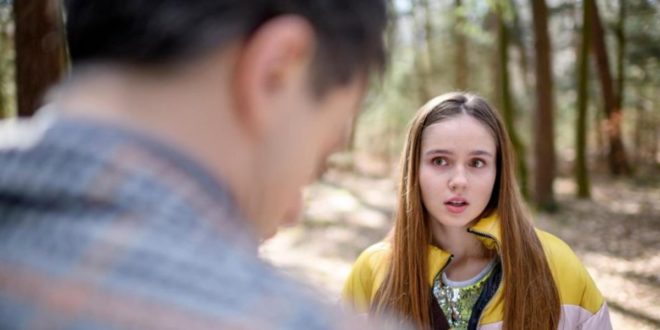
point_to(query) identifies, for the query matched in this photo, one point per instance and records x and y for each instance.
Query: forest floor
(616, 234)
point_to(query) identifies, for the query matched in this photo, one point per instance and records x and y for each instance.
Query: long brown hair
(531, 300)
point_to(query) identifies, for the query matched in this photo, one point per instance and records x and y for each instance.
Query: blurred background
(578, 83)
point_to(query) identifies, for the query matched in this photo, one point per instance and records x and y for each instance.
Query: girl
(463, 253)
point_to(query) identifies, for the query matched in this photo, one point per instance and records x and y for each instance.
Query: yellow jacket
(582, 305)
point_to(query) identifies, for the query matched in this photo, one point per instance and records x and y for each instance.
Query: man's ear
(271, 62)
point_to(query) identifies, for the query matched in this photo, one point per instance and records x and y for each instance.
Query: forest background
(577, 82)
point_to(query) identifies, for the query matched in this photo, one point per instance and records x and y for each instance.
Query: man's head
(169, 32)
(293, 73)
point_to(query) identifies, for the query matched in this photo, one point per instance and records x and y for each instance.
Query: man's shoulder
(18, 133)
(122, 276)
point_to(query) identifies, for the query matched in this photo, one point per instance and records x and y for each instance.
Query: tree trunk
(422, 58)
(492, 24)
(428, 37)
(507, 107)
(392, 26)
(646, 136)
(461, 54)
(518, 40)
(621, 51)
(617, 156)
(581, 171)
(40, 51)
(5, 48)
(544, 146)
(637, 138)
(599, 129)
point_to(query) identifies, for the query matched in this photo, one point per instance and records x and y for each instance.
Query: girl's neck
(470, 256)
(458, 241)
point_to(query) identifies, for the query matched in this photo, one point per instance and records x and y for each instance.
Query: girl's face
(457, 170)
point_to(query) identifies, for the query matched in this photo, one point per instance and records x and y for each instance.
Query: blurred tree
(519, 42)
(40, 51)
(377, 86)
(427, 54)
(427, 18)
(6, 58)
(424, 55)
(581, 171)
(391, 29)
(642, 55)
(460, 53)
(4, 54)
(620, 54)
(544, 146)
(502, 10)
(492, 24)
(617, 157)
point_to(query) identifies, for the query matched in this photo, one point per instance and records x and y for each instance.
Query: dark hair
(166, 32)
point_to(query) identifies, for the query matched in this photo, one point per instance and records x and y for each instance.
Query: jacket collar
(486, 229)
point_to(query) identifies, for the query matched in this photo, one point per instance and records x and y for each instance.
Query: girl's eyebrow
(439, 151)
(481, 153)
(449, 152)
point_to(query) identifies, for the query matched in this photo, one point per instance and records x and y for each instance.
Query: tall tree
(40, 51)
(6, 46)
(544, 146)
(581, 172)
(642, 49)
(391, 30)
(428, 37)
(461, 54)
(502, 13)
(621, 51)
(519, 42)
(423, 65)
(617, 157)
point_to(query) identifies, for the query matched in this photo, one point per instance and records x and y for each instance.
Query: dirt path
(616, 234)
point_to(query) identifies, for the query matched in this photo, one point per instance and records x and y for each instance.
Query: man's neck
(190, 112)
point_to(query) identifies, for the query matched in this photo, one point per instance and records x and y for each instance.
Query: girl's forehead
(462, 131)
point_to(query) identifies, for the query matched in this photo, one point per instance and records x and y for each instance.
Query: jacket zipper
(497, 248)
(435, 299)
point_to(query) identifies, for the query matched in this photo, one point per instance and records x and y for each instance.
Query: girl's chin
(454, 221)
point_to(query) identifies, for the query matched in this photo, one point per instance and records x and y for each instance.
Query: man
(137, 197)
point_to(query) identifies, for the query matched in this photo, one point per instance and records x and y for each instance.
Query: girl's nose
(458, 181)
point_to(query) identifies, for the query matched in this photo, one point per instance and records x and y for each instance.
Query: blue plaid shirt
(103, 228)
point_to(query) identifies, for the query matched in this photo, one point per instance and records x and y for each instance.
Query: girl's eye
(439, 161)
(478, 163)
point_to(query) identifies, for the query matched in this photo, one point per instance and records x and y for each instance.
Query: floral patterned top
(457, 298)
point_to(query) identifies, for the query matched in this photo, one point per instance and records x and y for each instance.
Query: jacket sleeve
(594, 301)
(360, 285)
(598, 321)
(583, 305)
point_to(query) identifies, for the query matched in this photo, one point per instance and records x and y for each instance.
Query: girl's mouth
(456, 205)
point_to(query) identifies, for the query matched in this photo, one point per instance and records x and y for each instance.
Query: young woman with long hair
(463, 253)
